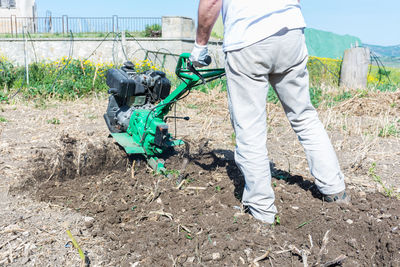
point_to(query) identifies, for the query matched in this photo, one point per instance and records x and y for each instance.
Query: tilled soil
(194, 217)
(59, 171)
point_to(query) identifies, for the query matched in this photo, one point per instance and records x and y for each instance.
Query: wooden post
(355, 68)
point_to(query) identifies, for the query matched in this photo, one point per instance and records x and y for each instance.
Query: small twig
(162, 213)
(282, 251)
(8, 241)
(156, 194)
(12, 230)
(95, 75)
(181, 184)
(338, 261)
(262, 257)
(54, 170)
(83, 68)
(172, 259)
(185, 228)
(323, 247)
(270, 262)
(196, 188)
(303, 253)
(200, 232)
(133, 170)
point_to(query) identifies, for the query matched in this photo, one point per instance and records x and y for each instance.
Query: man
(264, 44)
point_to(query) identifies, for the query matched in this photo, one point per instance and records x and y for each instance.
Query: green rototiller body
(139, 103)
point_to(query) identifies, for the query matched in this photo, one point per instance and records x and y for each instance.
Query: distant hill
(388, 55)
(385, 51)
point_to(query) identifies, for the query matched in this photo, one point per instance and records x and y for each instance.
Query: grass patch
(74, 78)
(389, 130)
(2, 119)
(387, 191)
(65, 79)
(54, 121)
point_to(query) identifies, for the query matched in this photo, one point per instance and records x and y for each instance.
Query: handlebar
(186, 70)
(191, 77)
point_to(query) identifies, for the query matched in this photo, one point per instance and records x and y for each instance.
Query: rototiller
(139, 103)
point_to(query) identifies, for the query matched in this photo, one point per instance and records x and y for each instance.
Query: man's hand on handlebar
(199, 56)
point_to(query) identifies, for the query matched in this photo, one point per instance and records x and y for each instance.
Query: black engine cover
(122, 86)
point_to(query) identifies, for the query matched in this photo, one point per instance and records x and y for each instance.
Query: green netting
(319, 43)
(327, 44)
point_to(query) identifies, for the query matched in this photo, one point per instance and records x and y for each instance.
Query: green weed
(192, 106)
(272, 96)
(2, 119)
(389, 130)
(303, 224)
(54, 121)
(316, 96)
(172, 172)
(362, 93)
(388, 192)
(277, 220)
(91, 116)
(233, 138)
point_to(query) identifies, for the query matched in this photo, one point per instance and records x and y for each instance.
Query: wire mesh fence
(13, 26)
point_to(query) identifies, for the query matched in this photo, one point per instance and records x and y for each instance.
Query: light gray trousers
(281, 61)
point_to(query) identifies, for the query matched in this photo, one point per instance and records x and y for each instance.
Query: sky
(374, 22)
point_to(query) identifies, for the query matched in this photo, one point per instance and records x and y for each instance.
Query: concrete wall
(24, 8)
(108, 51)
(178, 27)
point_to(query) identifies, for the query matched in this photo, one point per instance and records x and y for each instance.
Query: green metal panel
(126, 141)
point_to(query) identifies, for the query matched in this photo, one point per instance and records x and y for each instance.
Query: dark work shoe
(340, 197)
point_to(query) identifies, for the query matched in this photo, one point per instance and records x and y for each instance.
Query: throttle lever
(193, 69)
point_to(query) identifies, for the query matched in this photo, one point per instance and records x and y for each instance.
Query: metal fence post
(16, 26)
(11, 26)
(115, 23)
(63, 24)
(24, 32)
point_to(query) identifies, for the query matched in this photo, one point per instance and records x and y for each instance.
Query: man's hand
(199, 56)
(207, 15)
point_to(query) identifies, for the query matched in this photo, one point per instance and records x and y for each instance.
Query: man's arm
(207, 16)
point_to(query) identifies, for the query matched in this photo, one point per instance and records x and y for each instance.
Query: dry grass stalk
(174, 260)
(133, 170)
(95, 75)
(186, 229)
(8, 241)
(181, 184)
(303, 253)
(338, 261)
(262, 257)
(162, 213)
(195, 188)
(323, 249)
(11, 230)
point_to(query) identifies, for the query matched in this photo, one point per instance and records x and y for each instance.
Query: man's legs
(247, 92)
(290, 81)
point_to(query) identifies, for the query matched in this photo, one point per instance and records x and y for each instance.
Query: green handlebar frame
(190, 77)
